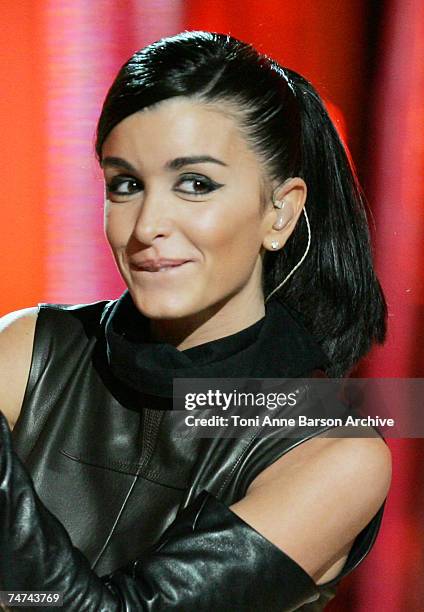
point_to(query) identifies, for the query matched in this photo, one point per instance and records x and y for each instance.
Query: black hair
(335, 290)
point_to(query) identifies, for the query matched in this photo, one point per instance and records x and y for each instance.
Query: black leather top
(104, 458)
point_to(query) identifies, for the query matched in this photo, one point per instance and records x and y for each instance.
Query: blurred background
(366, 58)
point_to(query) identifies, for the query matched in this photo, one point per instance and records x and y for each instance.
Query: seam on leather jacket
(115, 523)
(151, 422)
(38, 358)
(115, 466)
(196, 518)
(235, 465)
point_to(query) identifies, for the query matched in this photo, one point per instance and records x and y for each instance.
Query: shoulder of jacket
(88, 316)
(91, 308)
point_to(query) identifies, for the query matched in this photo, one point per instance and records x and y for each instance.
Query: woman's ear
(288, 200)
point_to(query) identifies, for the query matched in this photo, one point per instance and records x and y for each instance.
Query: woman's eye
(123, 186)
(194, 184)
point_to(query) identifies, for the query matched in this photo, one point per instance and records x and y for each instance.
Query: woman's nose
(154, 218)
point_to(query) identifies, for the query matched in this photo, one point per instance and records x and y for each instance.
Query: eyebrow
(179, 162)
(173, 164)
(116, 162)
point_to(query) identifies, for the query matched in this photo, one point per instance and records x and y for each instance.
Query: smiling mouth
(152, 268)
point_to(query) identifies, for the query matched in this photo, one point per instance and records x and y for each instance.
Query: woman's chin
(162, 308)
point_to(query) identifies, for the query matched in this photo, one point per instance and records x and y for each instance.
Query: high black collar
(276, 346)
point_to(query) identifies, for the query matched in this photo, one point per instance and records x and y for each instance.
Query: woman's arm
(209, 558)
(16, 341)
(315, 500)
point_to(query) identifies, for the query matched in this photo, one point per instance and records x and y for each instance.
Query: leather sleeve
(208, 559)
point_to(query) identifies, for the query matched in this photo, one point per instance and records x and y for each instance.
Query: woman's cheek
(117, 228)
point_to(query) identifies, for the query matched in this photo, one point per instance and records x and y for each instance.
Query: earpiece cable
(299, 263)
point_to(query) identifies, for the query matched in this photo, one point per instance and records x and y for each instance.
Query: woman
(236, 222)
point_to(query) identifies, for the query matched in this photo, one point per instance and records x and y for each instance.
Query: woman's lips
(159, 266)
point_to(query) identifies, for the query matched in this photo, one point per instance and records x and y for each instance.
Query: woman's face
(183, 211)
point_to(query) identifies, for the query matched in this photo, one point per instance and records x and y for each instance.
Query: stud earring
(275, 244)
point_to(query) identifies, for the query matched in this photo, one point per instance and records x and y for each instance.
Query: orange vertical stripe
(23, 183)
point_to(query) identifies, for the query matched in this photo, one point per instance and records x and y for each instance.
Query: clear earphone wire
(299, 263)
